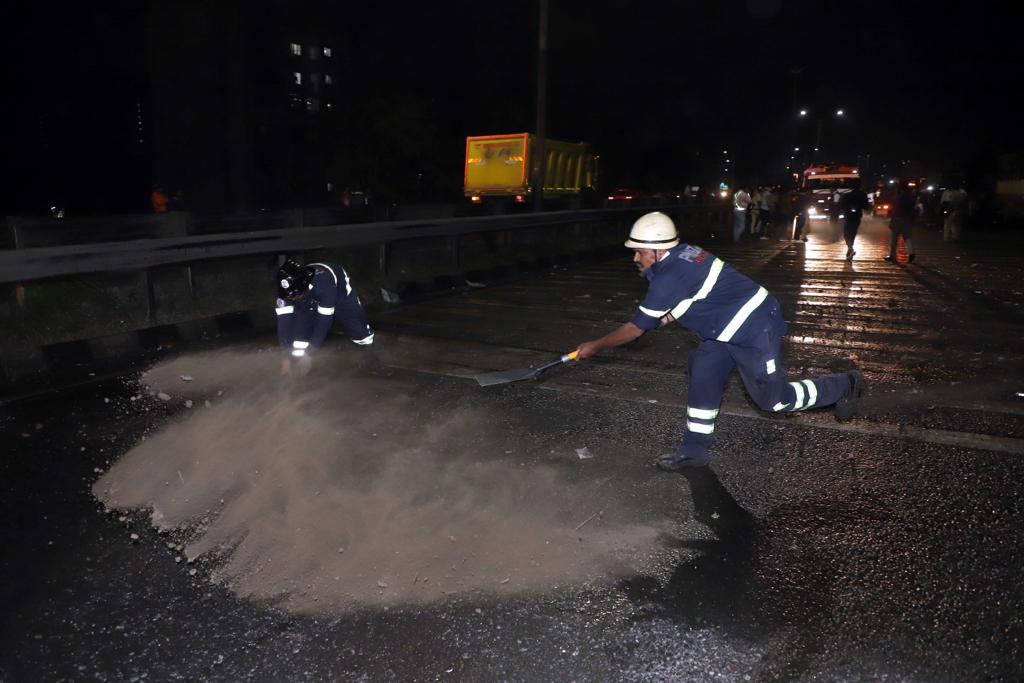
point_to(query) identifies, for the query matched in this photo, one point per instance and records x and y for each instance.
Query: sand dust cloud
(347, 489)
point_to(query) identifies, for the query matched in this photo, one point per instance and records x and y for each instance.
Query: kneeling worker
(310, 297)
(739, 324)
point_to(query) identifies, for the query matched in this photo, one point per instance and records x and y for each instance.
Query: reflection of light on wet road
(893, 321)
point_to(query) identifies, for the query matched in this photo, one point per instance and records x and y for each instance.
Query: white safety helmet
(653, 230)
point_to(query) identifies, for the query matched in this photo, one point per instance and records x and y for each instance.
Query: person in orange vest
(159, 199)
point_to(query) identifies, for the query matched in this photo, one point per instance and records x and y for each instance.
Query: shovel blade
(506, 376)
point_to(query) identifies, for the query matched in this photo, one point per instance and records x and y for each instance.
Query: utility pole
(539, 151)
(817, 140)
(795, 71)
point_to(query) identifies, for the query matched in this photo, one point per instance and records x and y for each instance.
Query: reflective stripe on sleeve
(700, 428)
(705, 289)
(812, 393)
(325, 311)
(652, 312)
(701, 413)
(328, 269)
(348, 285)
(300, 344)
(742, 315)
(282, 310)
(799, 389)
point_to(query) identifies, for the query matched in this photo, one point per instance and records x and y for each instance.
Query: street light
(820, 121)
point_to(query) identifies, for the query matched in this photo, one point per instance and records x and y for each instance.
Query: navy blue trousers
(350, 314)
(756, 357)
(850, 228)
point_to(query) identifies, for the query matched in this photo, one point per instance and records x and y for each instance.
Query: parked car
(881, 204)
(622, 197)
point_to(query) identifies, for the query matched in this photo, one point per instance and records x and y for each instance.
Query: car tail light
(475, 199)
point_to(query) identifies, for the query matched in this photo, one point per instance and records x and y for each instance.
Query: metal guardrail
(24, 265)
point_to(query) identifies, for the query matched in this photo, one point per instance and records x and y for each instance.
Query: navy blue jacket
(304, 324)
(702, 293)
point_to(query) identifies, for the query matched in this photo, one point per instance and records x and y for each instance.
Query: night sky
(659, 89)
(654, 84)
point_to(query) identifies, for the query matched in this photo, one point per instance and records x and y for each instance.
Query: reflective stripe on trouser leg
(812, 393)
(701, 420)
(710, 365)
(817, 393)
(806, 394)
(798, 389)
(702, 413)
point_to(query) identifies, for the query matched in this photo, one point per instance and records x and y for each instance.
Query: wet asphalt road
(888, 549)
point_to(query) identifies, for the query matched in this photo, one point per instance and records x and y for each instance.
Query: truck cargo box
(501, 165)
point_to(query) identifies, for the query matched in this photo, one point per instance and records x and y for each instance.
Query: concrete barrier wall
(87, 321)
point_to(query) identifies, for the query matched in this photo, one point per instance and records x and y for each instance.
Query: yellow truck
(501, 166)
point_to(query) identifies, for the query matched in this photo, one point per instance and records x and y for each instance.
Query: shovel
(506, 376)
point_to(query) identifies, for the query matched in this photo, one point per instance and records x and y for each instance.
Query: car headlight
(812, 211)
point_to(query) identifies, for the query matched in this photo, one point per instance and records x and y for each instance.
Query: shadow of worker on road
(716, 584)
(742, 582)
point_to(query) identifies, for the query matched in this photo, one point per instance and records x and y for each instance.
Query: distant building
(243, 104)
(232, 105)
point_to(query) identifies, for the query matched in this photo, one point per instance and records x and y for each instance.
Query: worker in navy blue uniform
(740, 326)
(309, 299)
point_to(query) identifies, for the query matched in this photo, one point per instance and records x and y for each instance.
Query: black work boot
(674, 462)
(847, 405)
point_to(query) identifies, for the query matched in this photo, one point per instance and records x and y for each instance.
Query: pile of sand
(345, 489)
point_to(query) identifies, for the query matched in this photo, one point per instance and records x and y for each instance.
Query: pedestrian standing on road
(309, 299)
(901, 222)
(768, 203)
(740, 209)
(954, 206)
(755, 211)
(837, 199)
(801, 220)
(739, 325)
(786, 207)
(854, 204)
